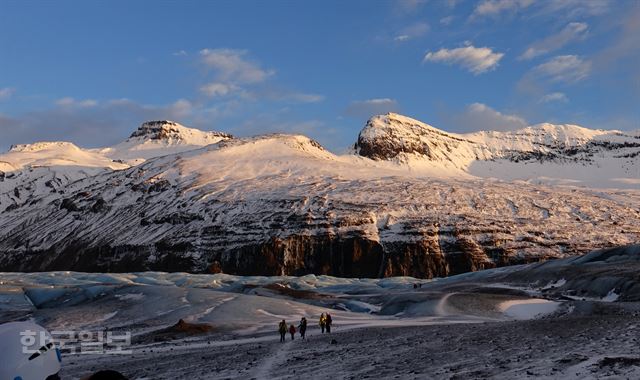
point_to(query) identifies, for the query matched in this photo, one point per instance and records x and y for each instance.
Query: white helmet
(27, 352)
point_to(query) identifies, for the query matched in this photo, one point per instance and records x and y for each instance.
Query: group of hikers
(325, 325)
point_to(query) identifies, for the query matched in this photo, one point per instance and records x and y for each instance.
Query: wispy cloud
(71, 102)
(476, 60)
(558, 8)
(480, 117)
(497, 7)
(236, 75)
(364, 109)
(447, 20)
(179, 53)
(232, 65)
(574, 8)
(563, 68)
(408, 6)
(572, 32)
(214, 89)
(299, 97)
(416, 30)
(554, 97)
(6, 93)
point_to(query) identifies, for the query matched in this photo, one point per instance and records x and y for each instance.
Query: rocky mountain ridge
(283, 205)
(394, 137)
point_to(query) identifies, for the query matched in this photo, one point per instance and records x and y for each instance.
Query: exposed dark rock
(69, 205)
(165, 129)
(99, 206)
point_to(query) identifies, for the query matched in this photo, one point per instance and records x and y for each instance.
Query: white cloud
(179, 53)
(231, 65)
(496, 7)
(214, 89)
(412, 31)
(408, 6)
(564, 68)
(371, 107)
(451, 3)
(476, 60)
(6, 93)
(572, 32)
(71, 102)
(236, 76)
(446, 20)
(480, 117)
(569, 9)
(554, 97)
(299, 97)
(575, 8)
(181, 108)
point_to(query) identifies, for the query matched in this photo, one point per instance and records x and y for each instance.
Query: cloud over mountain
(474, 59)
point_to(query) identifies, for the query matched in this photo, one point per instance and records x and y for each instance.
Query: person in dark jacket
(302, 327)
(292, 331)
(328, 322)
(282, 329)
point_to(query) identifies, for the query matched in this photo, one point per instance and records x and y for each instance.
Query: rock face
(170, 130)
(282, 205)
(392, 136)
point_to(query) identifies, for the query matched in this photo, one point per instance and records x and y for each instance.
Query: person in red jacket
(292, 331)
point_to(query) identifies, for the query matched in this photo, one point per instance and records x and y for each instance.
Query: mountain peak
(392, 136)
(170, 130)
(42, 145)
(157, 129)
(159, 138)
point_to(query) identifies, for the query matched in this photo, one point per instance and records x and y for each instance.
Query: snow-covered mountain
(32, 170)
(159, 138)
(406, 204)
(545, 153)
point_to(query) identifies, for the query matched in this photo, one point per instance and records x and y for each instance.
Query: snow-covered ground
(197, 209)
(510, 322)
(170, 196)
(406, 201)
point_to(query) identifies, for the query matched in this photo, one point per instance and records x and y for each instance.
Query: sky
(91, 72)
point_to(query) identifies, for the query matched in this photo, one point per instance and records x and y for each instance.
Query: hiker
(323, 322)
(282, 328)
(292, 331)
(328, 322)
(302, 327)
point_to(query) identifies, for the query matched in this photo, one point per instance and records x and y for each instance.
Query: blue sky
(90, 72)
